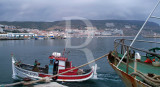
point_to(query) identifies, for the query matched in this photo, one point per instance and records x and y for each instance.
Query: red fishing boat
(57, 65)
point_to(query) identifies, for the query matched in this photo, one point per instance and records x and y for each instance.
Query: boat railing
(124, 47)
(131, 65)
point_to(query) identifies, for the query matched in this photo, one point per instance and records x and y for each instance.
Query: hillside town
(13, 31)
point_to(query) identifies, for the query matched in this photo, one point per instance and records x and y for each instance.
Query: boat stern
(13, 68)
(94, 69)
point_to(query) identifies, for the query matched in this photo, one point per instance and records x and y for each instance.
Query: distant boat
(40, 38)
(58, 64)
(151, 36)
(155, 35)
(57, 37)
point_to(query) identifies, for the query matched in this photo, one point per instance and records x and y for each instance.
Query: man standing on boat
(35, 67)
(55, 71)
(51, 66)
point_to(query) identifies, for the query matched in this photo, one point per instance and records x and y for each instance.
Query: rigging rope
(139, 31)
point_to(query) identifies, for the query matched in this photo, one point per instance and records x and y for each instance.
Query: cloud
(52, 10)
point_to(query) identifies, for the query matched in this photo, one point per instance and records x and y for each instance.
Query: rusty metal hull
(128, 80)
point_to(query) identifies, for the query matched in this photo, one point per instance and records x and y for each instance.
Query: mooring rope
(7, 85)
(147, 79)
(46, 78)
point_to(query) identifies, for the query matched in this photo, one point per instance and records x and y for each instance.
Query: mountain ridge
(79, 24)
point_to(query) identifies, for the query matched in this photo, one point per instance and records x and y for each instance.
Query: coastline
(96, 36)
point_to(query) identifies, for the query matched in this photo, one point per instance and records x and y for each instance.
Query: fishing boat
(137, 67)
(40, 38)
(58, 64)
(58, 37)
(136, 70)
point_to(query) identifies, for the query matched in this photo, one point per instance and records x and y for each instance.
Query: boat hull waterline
(128, 80)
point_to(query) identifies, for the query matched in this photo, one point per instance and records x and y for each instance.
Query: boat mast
(140, 31)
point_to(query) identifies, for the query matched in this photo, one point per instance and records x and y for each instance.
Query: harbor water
(29, 50)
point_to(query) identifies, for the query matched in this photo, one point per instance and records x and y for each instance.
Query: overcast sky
(52, 10)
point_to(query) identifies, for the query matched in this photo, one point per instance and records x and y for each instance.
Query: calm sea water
(29, 50)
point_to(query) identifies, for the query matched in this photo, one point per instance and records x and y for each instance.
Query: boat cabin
(58, 63)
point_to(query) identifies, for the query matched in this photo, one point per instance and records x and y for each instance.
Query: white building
(106, 33)
(1, 30)
(110, 24)
(117, 31)
(18, 35)
(127, 26)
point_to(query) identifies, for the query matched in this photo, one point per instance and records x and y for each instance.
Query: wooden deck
(141, 66)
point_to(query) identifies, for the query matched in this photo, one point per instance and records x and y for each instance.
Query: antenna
(63, 52)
